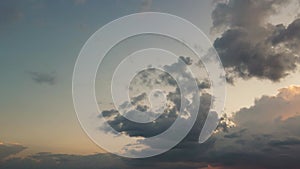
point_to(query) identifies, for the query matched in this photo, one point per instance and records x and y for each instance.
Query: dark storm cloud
(7, 150)
(43, 78)
(252, 47)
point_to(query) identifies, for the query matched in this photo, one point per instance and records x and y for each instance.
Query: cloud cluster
(266, 136)
(250, 46)
(155, 79)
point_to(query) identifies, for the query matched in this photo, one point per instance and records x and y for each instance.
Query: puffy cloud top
(250, 46)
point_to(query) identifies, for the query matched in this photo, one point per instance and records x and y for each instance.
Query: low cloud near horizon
(266, 136)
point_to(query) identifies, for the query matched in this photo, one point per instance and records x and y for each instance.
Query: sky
(258, 44)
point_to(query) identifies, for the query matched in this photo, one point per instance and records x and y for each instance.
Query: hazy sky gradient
(40, 41)
(39, 44)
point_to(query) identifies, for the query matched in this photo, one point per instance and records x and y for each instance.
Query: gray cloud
(64, 161)
(122, 124)
(286, 142)
(287, 35)
(252, 47)
(7, 150)
(170, 114)
(43, 78)
(138, 98)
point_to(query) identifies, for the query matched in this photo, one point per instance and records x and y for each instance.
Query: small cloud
(7, 150)
(43, 78)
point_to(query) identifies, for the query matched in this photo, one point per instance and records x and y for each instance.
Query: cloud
(250, 46)
(138, 98)
(286, 142)
(152, 78)
(7, 150)
(266, 136)
(271, 109)
(64, 161)
(43, 78)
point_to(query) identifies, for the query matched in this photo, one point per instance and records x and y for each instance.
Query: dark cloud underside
(7, 150)
(250, 46)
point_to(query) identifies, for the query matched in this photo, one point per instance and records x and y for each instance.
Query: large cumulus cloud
(250, 46)
(266, 134)
(174, 101)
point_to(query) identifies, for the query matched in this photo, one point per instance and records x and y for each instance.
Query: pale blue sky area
(39, 44)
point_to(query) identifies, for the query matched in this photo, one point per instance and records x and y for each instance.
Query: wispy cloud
(7, 150)
(43, 78)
